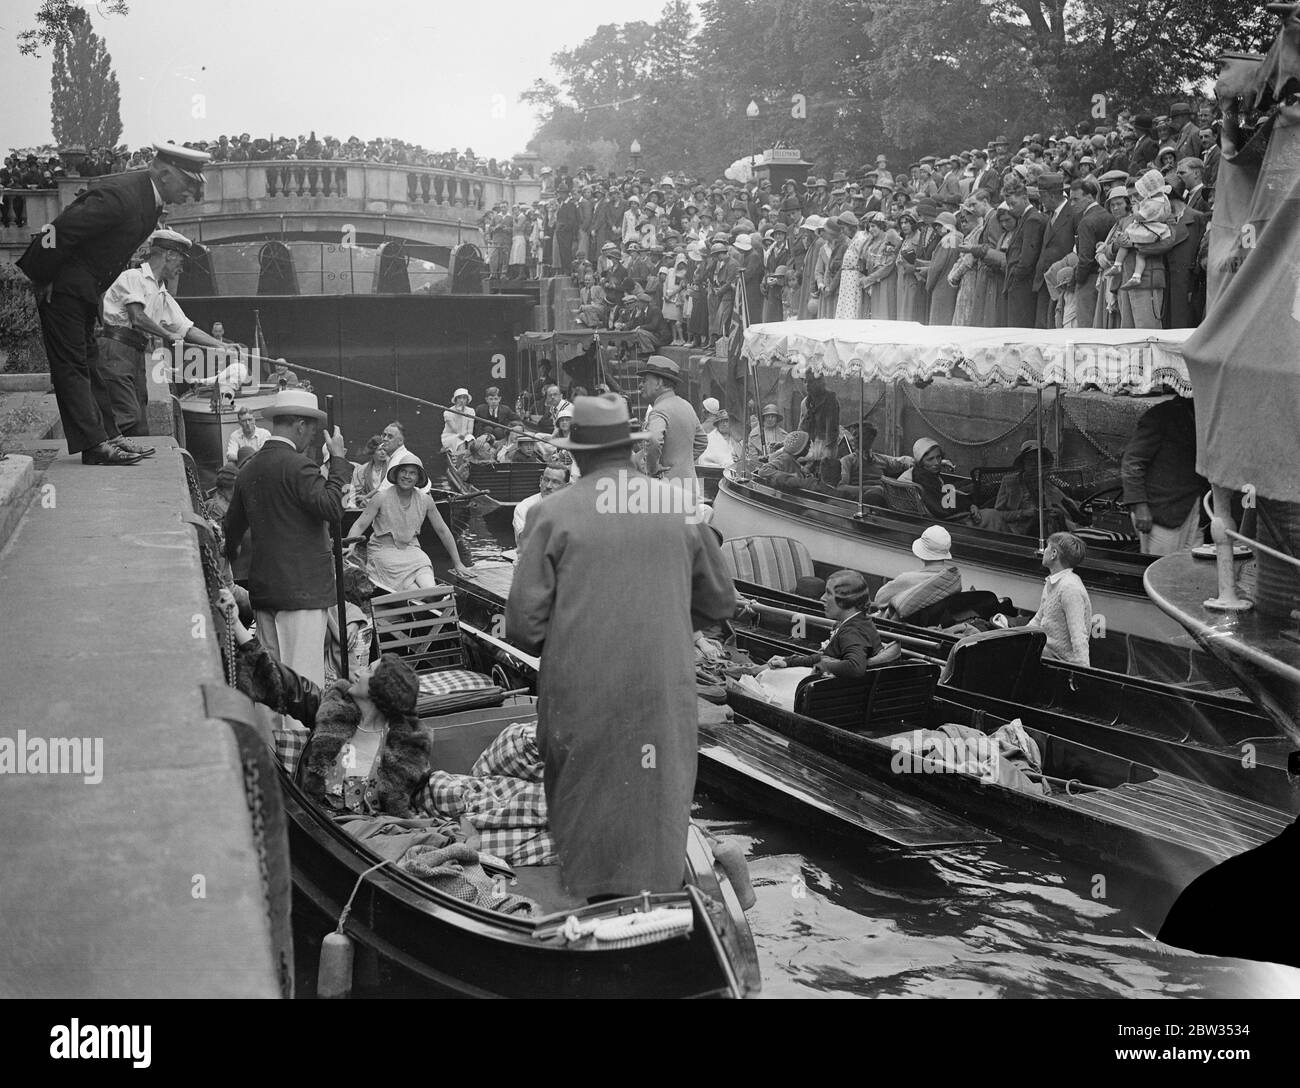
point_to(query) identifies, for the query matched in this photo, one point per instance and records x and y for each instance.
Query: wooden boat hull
(881, 544)
(425, 942)
(1146, 822)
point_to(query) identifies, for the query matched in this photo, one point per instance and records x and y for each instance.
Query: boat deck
(145, 883)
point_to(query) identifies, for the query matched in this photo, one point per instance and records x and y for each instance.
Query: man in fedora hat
(675, 435)
(1187, 142)
(72, 262)
(617, 732)
(282, 500)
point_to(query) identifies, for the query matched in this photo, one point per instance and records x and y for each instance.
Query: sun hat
(413, 462)
(1150, 184)
(922, 446)
(743, 243)
(462, 392)
(600, 423)
(711, 405)
(294, 402)
(772, 410)
(933, 544)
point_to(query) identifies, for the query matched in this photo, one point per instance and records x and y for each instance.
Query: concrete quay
(136, 871)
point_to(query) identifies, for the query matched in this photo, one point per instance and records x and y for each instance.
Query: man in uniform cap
(674, 430)
(73, 262)
(620, 819)
(138, 306)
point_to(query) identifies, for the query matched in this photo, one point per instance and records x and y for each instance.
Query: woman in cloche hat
(395, 559)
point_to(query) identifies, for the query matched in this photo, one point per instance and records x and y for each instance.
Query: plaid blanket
(455, 689)
(502, 798)
(452, 682)
(289, 745)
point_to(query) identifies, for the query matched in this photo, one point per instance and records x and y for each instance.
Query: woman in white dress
(395, 559)
(458, 426)
(849, 306)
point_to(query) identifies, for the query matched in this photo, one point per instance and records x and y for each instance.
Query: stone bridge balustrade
(306, 199)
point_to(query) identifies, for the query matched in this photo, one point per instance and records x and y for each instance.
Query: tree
(85, 105)
(55, 21)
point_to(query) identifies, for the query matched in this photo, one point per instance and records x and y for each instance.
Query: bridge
(331, 203)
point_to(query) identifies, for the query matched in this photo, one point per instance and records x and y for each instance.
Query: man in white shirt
(398, 454)
(248, 433)
(137, 305)
(554, 478)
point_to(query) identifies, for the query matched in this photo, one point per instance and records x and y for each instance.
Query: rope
(961, 442)
(347, 907)
(1086, 436)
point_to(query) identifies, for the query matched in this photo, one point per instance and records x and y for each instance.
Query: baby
(1150, 223)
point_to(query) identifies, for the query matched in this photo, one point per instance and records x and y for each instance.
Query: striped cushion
(776, 562)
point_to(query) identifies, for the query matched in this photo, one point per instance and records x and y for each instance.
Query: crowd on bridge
(1098, 226)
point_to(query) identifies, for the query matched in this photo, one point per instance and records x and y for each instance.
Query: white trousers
(1181, 538)
(296, 638)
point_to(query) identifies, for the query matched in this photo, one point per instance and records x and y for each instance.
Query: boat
(423, 941)
(498, 487)
(1242, 359)
(1104, 807)
(416, 939)
(1217, 738)
(878, 539)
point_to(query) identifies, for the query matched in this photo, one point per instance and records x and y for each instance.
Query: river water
(835, 919)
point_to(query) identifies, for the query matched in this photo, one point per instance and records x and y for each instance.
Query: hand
(225, 599)
(460, 568)
(47, 294)
(335, 445)
(776, 663)
(1141, 514)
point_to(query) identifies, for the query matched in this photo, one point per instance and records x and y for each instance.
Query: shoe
(131, 447)
(108, 454)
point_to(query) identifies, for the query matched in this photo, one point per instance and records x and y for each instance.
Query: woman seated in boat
(1065, 611)
(769, 435)
(458, 424)
(938, 579)
(395, 559)
(783, 470)
(555, 455)
(367, 752)
(854, 640)
(925, 473)
(722, 450)
(368, 476)
(1016, 508)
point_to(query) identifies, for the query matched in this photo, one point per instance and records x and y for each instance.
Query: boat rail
(1224, 533)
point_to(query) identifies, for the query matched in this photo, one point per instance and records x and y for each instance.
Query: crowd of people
(1102, 226)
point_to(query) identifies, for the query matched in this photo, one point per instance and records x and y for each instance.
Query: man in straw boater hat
(72, 262)
(675, 433)
(287, 506)
(618, 733)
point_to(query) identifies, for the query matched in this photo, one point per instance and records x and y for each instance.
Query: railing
(396, 187)
(37, 207)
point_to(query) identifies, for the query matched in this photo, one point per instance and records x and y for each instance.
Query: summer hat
(661, 367)
(294, 402)
(933, 544)
(415, 463)
(599, 423)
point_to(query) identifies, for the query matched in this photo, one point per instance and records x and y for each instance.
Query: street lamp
(751, 111)
(635, 149)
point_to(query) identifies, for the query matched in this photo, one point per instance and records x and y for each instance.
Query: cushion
(776, 562)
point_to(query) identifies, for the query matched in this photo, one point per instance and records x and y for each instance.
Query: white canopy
(1133, 361)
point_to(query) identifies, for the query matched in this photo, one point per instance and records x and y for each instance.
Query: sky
(439, 74)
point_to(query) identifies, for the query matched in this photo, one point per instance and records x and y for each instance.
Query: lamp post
(635, 149)
(751, 111)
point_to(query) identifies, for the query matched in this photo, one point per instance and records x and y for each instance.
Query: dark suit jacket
(1023, 249)
(566, 218)
(1181, 264)
(987, 180)
(1091, 229)
(94, 237)
(1058, 240)
(281, 497)
(505, 415)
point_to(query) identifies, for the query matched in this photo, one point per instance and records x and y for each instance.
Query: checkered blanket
(503, 798)
(455, 689)
(289, 745)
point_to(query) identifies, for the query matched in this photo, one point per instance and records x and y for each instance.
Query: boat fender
(643, 927)
(334, 978)
(732, 860)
